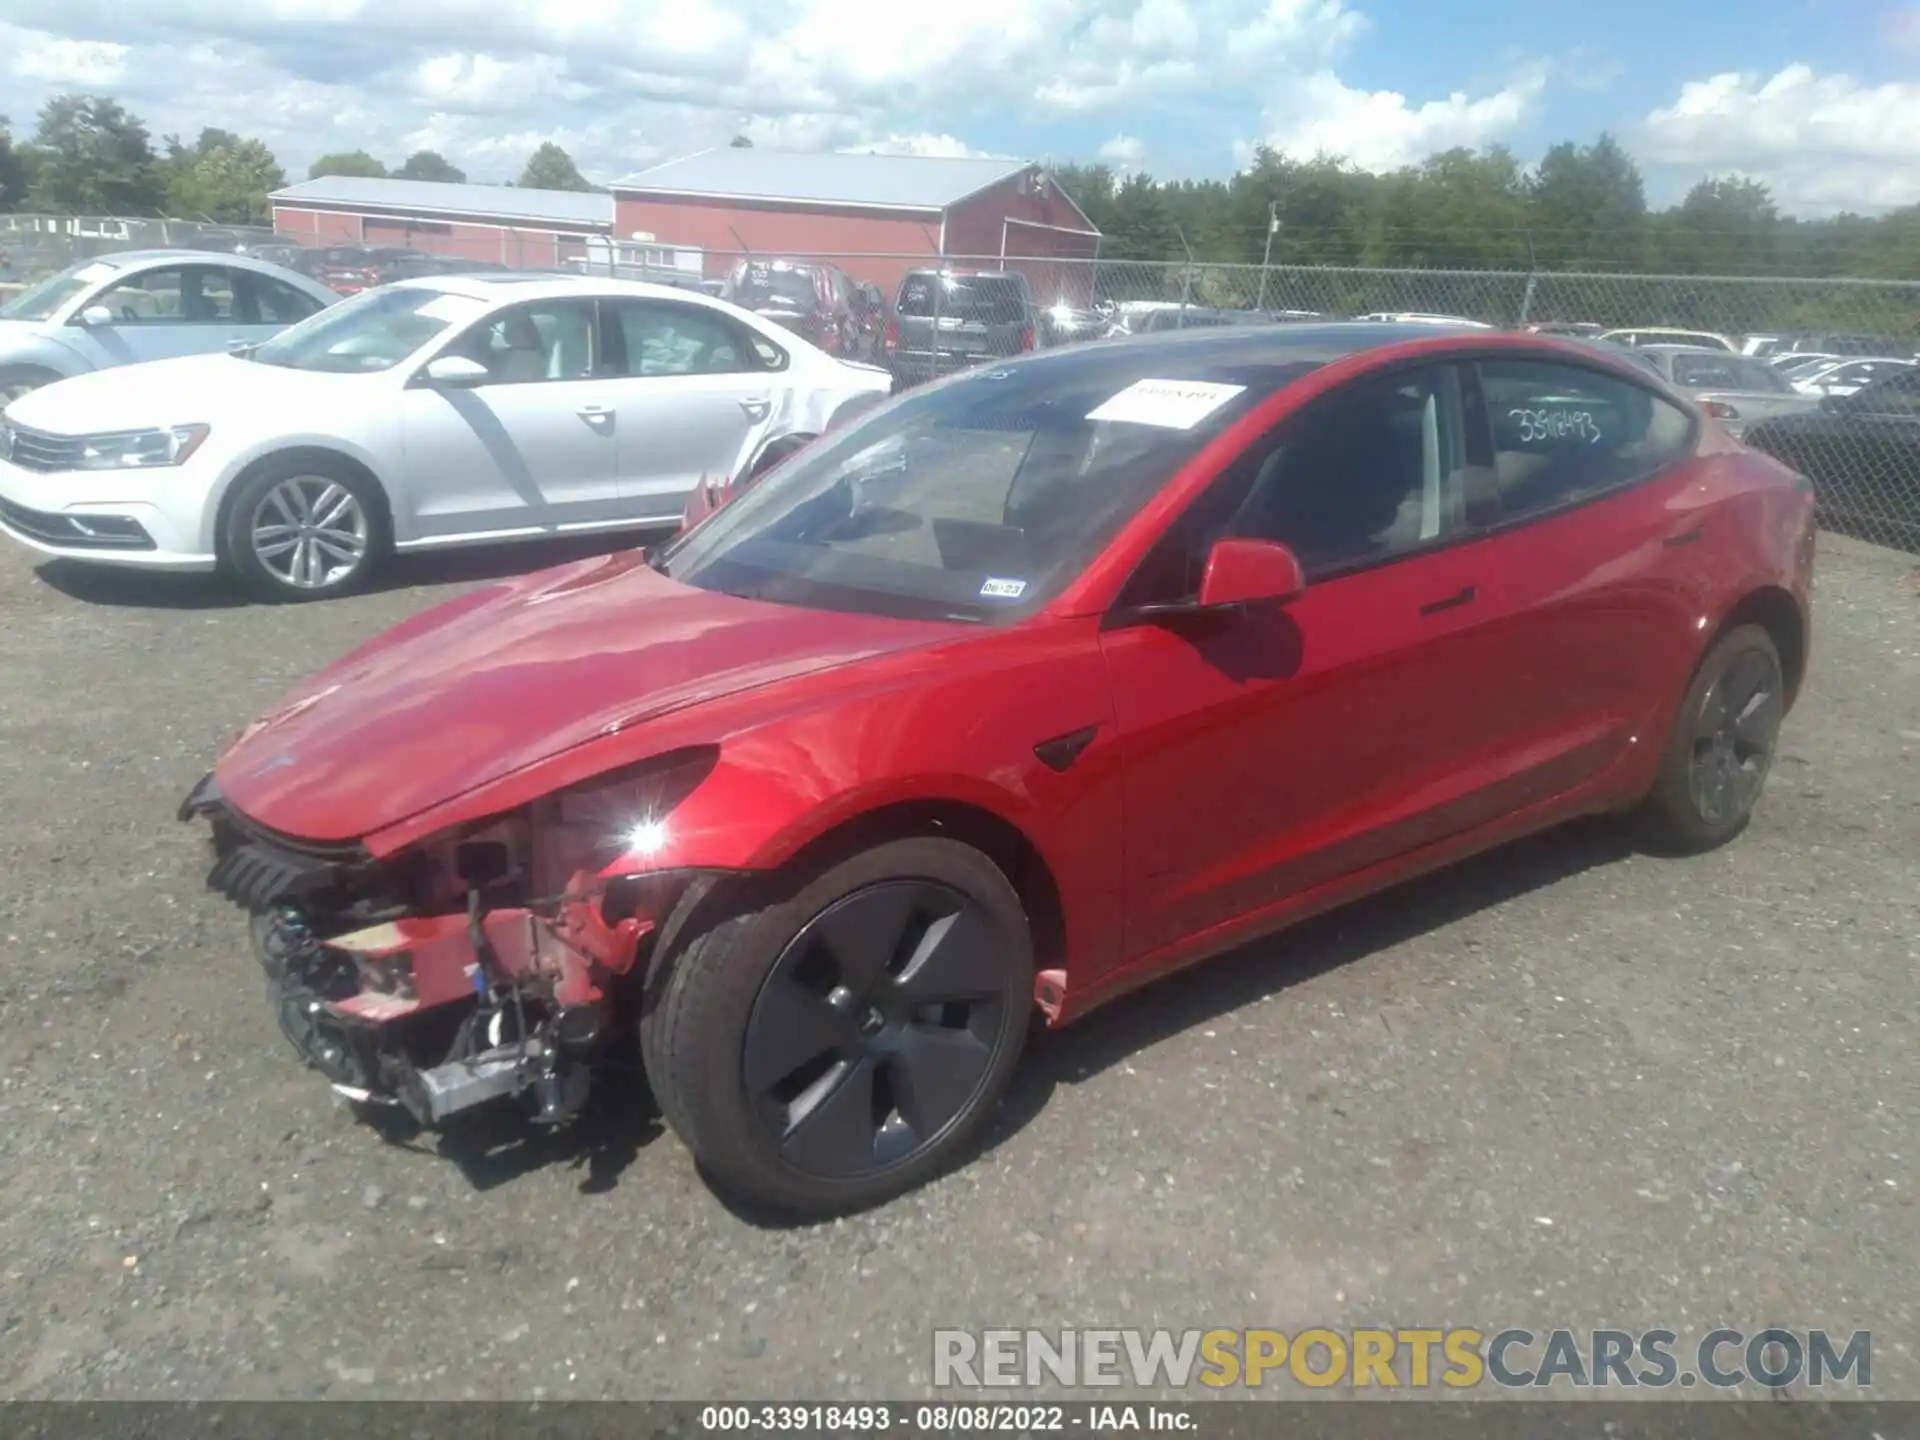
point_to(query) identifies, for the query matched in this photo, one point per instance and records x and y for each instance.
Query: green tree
(15, 174)
(430, 165)
(92, 157)
(221, 176)
(349, 162)
(1728, 226)
(1587, 208)
(740, 142)
(551, 168)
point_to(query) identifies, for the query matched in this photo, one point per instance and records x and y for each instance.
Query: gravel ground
(1563, 1085)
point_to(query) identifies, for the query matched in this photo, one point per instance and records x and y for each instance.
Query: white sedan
(145, 305)
(429, 413)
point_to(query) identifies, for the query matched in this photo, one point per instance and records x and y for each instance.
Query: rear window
(994, 299)
(1726, 372)
(756, 285)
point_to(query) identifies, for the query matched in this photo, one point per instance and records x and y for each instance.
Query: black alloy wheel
(1734, 732)
(1721, 744)
(828, 1038)
(876, 1029)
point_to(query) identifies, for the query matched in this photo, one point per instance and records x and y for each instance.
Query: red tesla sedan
(1029, 687)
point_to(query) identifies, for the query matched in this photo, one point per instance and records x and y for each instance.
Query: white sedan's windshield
(42, 301)
(373, 331)
(977, 499)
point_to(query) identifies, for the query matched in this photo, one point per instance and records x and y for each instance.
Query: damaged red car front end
(481, 964)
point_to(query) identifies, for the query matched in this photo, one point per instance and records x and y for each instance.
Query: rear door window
(1563, 434)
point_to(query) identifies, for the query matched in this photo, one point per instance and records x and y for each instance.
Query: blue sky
(1820, 98)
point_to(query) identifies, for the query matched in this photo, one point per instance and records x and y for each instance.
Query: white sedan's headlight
(140, 449)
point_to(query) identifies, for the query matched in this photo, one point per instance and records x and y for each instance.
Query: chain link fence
(1819, 373)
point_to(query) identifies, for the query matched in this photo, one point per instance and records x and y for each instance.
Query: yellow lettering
(1336, 1362)
(1266, 1350)
(1463, 1349)
(1373, 1358)
(1218, 1349)
(1421, 1342)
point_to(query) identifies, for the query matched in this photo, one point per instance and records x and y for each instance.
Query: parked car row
(419, 414)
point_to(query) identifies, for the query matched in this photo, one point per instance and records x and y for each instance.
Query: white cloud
(71, 62)
(1382, 129)
(623, 83)
(1818, 141)
(939, 146)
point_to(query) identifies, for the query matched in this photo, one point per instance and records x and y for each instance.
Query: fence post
(1533, 275)
(1266, 255)
(1186, 277)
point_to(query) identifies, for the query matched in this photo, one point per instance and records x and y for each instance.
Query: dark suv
(815, 301)
(948, 320)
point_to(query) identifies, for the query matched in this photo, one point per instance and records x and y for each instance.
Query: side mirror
(96, 315)
(456, 372)
(1248, 572)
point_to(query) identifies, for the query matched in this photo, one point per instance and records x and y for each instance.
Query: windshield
(995, 299)
(373, 331)
(757, 285)
(42, 301)
(978, 499)
(1727, 372)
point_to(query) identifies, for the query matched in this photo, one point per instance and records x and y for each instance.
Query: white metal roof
(566, 209)
(882, 182)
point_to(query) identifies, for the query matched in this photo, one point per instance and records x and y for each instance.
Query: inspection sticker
(1170, 404)
(1003, 589)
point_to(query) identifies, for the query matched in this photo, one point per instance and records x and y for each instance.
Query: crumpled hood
(506, 676)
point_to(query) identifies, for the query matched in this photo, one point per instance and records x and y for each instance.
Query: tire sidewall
(38, 374)
(1677, 819)
(236, 541)
(723, 973)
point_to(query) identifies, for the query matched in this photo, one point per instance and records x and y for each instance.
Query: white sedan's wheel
(304, 527)
(310, 532)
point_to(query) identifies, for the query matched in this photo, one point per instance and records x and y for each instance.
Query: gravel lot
(1564, 1085)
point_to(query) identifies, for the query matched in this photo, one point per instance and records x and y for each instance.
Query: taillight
(1720, 410)
(893, 335)
(1027, 339)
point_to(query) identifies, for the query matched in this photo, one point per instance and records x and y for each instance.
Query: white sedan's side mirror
(96, 315)
(456, 372)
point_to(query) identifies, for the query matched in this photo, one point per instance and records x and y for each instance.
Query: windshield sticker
(1003, 589)
(1170, 404)
(450, 308)
(1577, 426)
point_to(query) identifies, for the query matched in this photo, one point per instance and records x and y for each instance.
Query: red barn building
(525, 229)
(877, 216)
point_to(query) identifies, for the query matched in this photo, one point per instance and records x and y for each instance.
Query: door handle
(1452, 602)
(593, 412)
(1685, 537)
(756, 409)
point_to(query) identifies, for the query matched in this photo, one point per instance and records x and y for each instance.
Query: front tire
(304, 527)
(828, 1049)
(18, 380)
(1721, 746)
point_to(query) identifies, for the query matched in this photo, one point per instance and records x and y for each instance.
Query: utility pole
(1266, 258)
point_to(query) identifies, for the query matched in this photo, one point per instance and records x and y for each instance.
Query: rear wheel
(827, 1051)
(1722, 744)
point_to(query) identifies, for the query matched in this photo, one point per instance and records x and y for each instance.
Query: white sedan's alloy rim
(310, 532)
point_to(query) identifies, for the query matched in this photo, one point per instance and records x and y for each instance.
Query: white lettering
(953, 1358)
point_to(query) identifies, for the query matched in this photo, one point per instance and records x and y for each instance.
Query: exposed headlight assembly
(140, 449)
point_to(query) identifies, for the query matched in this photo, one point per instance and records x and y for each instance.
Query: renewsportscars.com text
(1458, 1359)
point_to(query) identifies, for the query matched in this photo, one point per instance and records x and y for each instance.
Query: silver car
(1734, 389)
(145, 305)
